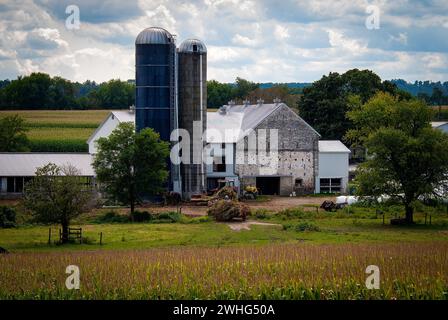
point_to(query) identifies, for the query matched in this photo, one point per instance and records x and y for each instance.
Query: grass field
(59, 130)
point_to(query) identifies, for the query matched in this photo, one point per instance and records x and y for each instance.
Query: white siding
(333, 165)
(103, 131)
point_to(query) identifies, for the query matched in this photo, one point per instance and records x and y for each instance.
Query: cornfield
(288, 271)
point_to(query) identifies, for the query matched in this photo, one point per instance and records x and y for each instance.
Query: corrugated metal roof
(237, 120)
(332, 146)
(252, 115)
(24, 164)
(154, 35)
(192, 45)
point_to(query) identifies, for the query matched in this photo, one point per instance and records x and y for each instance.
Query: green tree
(325, 103)
(57, 195)
(406, 159)
(437, 99)
(13, 134)
(130, 164)
(243, 87)
(114, 94)
(218, 94)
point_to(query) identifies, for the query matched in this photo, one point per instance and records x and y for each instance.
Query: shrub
(141, 216)
(263, 214)
(7, 217)
(168, 217)
(305, 226)
(227, 210)
(112, 217)
(301, 227)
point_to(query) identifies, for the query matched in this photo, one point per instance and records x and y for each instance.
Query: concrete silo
(192, 98)
(156, 92)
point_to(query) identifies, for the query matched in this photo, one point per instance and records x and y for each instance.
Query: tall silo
(155, 80)
(192, 91)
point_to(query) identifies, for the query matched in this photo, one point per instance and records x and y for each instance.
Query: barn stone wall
(297, 157)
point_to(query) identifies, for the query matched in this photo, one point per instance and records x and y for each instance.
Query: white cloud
(261, 40)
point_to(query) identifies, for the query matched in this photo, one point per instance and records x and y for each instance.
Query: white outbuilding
(333, 167)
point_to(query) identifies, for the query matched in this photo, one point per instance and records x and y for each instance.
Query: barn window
(330, 185)
(298, 183)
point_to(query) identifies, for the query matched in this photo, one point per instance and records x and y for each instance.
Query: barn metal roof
(333, 146)
(24, 164)
(154, 35)
(189, 46)
(124, 116)
(251, 116)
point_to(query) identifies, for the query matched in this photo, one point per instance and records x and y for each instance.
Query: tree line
(40, 91)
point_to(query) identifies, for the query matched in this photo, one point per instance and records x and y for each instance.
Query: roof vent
(277, 100)
(260, 101)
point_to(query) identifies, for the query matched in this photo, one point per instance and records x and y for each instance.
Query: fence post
(101, 238)
(49, 236)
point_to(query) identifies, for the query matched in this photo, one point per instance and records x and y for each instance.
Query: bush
(141, 216)
(227, 210)
(263, 214)
(112, 217)
(301, 227)
(7, 217)
(168, 217)
(305, 226)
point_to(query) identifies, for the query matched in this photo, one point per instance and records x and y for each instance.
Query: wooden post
(101, 238)
(49, 236)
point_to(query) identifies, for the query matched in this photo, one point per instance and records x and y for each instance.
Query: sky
(259, 40)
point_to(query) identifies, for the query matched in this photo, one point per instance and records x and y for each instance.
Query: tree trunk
(409, 214)
(64, 232)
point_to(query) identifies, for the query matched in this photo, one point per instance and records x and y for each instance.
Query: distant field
(59, 130)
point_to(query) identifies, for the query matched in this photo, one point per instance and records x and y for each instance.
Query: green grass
(194, 233)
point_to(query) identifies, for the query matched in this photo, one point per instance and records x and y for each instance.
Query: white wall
(104, 131)
(333, 165)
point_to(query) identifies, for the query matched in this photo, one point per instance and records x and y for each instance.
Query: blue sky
(260, 40)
